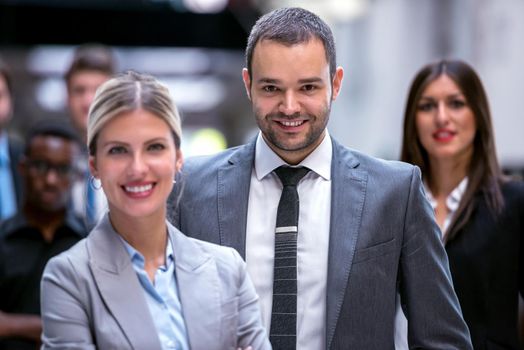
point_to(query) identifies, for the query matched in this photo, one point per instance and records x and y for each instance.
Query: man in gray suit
(365, 229)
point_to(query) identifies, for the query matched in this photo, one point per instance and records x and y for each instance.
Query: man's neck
(45, 222)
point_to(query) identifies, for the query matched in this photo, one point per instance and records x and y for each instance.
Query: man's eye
(309, 87)
(269, 88)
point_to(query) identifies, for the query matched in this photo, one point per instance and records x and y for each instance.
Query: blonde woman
(136, 282)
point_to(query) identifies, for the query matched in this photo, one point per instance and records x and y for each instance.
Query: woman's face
(445, 123)
(136, 161)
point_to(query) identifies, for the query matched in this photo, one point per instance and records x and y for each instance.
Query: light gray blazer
(383, 238)
(91, 297)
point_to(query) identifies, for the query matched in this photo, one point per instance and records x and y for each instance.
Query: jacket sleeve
(64, 317)
(429, 301)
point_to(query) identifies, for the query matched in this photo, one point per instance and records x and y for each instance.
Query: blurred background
(196, 47)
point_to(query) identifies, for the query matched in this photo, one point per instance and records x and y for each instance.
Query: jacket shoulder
(374, 166)
(69, 262)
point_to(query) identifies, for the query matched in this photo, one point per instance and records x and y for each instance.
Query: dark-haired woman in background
(448, 133)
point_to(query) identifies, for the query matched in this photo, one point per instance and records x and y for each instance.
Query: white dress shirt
(314, 191)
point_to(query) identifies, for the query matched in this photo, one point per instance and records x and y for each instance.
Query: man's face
(81, 91)
(291, 93)
(5, 103)
(49, 172)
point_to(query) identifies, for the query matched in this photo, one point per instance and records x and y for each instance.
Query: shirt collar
(4, 154)
(454, 198)
(319, 161)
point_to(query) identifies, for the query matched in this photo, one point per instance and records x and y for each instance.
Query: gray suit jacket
(382, 238)
(91, 297)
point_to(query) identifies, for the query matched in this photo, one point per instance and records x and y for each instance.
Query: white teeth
(295, 123)
(137, 189)
(444, 134)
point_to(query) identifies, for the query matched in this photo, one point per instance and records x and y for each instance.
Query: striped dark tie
(283, 332)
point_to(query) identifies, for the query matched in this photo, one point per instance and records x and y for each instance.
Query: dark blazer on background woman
(483, 260)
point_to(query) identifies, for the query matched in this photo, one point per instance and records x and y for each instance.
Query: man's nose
(290, 104)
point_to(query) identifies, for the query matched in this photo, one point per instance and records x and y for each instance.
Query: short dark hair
(51, 127)
(91, 57)
(6, 74)
(291, 26)
(484, 173)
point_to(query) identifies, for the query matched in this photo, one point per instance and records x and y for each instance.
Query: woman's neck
(445, 176)
(148, 235)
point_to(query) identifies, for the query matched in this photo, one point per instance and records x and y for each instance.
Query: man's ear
(247, 82)
(337, 82)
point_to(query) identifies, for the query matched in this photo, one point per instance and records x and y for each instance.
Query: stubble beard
(312, 137)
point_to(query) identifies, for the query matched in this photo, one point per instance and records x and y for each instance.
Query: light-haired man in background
(92, 65)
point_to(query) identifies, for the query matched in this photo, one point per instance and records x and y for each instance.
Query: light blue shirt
(162, 299)
(7, 187)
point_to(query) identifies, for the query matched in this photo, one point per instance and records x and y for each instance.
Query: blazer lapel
(119, 286)
(199, 289)
(348, 191)
(233, 193)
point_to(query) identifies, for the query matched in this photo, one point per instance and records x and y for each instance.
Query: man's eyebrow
(310, 80)
(267, 81)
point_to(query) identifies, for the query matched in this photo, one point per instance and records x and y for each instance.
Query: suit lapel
(119, 286)
(199, 289)
(348, 191)
(233, 194)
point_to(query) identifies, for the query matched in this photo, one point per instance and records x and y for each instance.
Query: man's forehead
(46, 143)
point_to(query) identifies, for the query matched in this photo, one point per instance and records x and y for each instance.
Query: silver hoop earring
(174, 181)
(93, 181)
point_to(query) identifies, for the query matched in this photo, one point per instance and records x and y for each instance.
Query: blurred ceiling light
(196, 94)
(329, 10)
(51, 94)
(175, 60)
(49, 60)
(205, 6)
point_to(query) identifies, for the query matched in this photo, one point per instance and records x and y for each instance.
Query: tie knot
(291, 176)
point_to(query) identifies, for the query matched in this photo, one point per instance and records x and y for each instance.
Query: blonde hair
(126, 93)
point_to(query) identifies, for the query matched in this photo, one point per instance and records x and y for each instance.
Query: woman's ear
(179, 160)
(92, 166)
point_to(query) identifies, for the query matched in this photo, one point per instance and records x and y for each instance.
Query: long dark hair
(484, 174)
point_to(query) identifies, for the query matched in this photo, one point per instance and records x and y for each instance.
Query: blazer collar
(233, 181)
(348, 192)
(115, 277)
(199, 291)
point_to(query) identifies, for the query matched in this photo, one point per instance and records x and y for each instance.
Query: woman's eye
(156, 147)
(426, 107)
(117, 150)
(457, 104)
